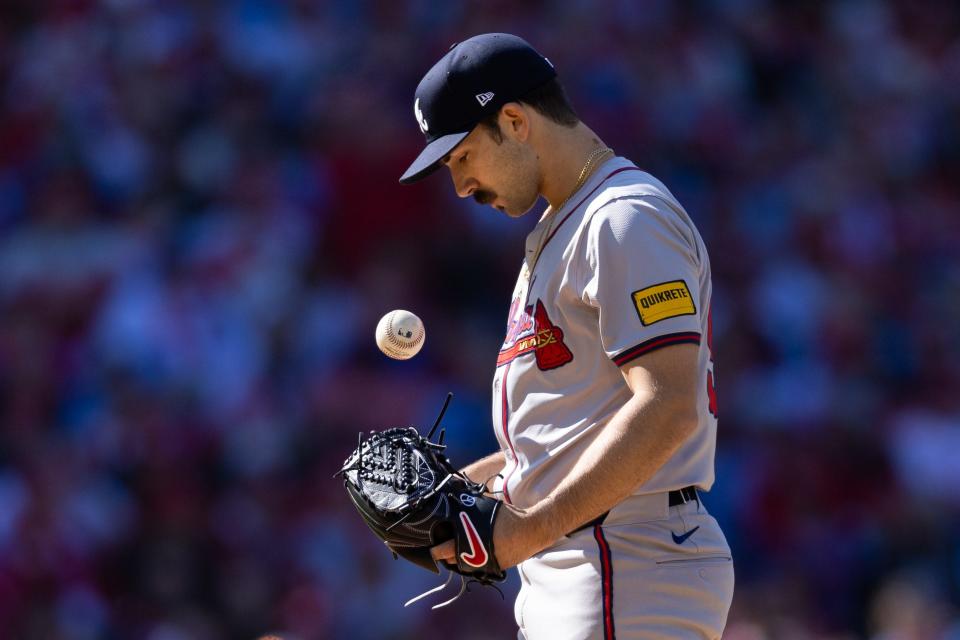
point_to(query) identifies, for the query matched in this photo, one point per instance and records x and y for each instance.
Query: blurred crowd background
(200, 224)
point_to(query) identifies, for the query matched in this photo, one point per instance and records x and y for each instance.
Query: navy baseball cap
(472, 81)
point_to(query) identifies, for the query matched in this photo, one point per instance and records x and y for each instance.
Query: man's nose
(464, 186)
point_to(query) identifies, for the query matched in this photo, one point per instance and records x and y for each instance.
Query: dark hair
(549, 100)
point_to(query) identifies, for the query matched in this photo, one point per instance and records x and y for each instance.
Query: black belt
(682, 496)
(674, 499)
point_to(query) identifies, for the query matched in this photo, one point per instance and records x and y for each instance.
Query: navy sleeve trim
(683, 337)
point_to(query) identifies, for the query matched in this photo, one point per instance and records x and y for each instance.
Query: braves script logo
(477, 556)
(532, 330)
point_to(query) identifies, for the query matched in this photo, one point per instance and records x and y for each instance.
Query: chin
(515, 211)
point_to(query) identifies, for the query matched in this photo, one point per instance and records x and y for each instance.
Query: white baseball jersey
(622, 272)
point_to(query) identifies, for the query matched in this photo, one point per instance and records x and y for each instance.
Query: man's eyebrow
(446, 159)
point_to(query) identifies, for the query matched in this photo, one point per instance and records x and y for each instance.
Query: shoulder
(635, 202)
(626, 179)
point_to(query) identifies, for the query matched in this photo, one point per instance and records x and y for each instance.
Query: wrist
(541, 523)
(521, 533)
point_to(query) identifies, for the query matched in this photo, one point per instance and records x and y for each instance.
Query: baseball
(400, 334)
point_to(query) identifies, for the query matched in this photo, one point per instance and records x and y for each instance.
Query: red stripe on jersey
(683, 337)
(504, 421)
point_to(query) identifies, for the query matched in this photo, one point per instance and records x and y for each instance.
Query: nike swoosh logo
(477, 556)
(683, 538)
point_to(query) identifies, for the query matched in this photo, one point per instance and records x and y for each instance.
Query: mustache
(484, 197)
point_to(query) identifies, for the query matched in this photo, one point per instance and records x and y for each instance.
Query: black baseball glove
(413, 499)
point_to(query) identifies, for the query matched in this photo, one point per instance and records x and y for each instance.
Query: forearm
(630, 449)
(486, 469)
(633, 446)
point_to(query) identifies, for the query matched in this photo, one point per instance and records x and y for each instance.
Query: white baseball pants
(649, 571)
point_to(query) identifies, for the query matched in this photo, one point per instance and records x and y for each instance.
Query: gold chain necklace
(584, 174)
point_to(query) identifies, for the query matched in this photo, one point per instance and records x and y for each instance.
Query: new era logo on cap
(484, 98)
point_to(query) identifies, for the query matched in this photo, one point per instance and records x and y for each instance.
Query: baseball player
(603, 401)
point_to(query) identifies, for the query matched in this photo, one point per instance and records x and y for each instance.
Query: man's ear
(515, 121)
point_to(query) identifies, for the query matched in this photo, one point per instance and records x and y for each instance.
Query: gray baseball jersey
(622, 272)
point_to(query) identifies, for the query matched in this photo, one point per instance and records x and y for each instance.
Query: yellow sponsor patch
(662, 301)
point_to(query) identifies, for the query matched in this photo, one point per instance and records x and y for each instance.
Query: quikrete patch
(662, 301)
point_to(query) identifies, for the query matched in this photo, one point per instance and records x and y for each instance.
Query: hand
(514, 539)
(445, 552)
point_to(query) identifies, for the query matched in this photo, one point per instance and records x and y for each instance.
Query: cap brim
(429, 159)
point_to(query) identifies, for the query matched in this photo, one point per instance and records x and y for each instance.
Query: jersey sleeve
(640, 268)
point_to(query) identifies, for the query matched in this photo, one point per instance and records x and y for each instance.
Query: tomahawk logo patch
(662, 301)
(531, 329)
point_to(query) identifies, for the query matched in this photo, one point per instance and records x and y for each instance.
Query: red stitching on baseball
(393, 338)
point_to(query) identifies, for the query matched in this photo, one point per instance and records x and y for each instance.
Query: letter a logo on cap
(419, 115)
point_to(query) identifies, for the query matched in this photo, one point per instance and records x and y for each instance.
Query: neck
(563, 160)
